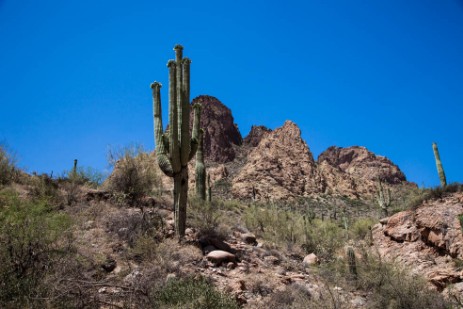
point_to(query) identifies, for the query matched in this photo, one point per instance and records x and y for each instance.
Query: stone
(219, 256)
(109, 264)
(256, 134)
(249, 238)
(310, 259)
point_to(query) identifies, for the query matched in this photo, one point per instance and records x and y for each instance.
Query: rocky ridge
(280, 165)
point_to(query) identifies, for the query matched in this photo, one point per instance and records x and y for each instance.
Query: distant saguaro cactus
(200, 170)
(440, 168)
(209, 188)
(383, 197)
(175, 148)
(351, 262)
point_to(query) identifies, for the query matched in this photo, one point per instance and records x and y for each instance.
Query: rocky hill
(220, 131)
(280, 165)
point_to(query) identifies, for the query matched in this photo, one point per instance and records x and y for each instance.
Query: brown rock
(354, 171)
(362, 164)
(255, 135)
(249, 238)
(426, 240)
(221, 133)
(280, 166)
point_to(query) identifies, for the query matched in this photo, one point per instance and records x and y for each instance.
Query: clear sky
(387, 75)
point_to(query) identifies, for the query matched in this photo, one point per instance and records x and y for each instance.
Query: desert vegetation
(74, 242)
(313, 234)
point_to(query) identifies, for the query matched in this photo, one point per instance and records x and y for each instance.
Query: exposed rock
(255, 135)
(220, 131)
(219, 256)
(426, 240)
(310, 259)
(354, 171)
(280, 166)
(109, 264)
(249, 238)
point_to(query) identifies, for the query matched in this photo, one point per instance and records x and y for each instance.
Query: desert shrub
(296, 296)
(130, 227)
(287, 227)
(32, 238)
(361, 227)
(84, 175)
(8, 171)
(392, 286)
(191, 293)
(135, 174)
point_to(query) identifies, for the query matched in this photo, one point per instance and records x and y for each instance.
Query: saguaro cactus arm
(161, 152)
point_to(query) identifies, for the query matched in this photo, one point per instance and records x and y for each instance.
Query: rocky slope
(280, 166)
(255, 135)
(354, 171)
(428, 240)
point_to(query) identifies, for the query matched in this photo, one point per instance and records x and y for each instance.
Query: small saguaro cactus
(440, 168)
(351, 263)
(200, 170)
(176, 147)
(383, 197)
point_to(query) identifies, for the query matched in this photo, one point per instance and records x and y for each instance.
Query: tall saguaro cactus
(200, 170)
(176, 147)
(440, 168)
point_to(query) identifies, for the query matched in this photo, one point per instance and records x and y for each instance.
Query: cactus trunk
(175, 148)
(440, 168)
(351, 261)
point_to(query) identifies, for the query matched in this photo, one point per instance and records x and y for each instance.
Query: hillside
(283, 230)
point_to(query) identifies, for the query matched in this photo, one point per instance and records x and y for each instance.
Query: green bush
(191, 293)
(289, 227)
(8, 171)
(135, 174)
(392, 286)
(32, 237)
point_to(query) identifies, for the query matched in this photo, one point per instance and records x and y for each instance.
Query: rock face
(280, 166)
(255, 135)
(360, 163)
(426, 240)
(220, 131)
(354, 171)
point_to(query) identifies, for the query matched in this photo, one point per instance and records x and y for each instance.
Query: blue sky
(387, 75)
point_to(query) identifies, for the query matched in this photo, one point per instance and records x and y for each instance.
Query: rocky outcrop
(427, 240)
(255, 135)
(280, 166)
(220, 131)
(360, 163)
(354, 171)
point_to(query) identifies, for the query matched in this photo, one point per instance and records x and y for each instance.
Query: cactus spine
(175, 147)
(200, 170)
(440, 168)
(351, 262)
